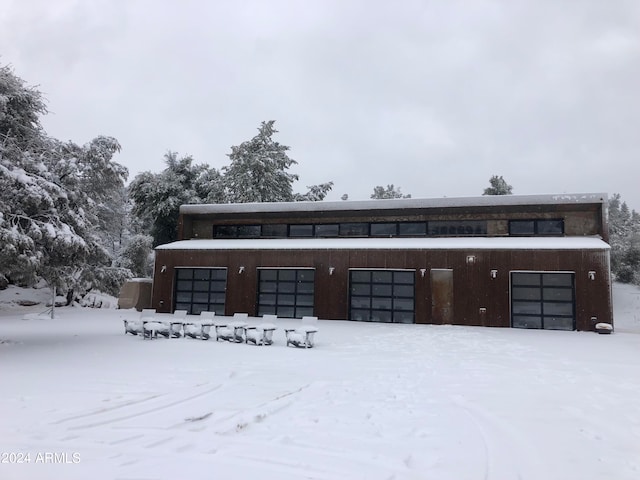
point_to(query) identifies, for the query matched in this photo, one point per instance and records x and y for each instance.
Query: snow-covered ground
(371, 401)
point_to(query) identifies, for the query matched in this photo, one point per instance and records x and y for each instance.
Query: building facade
(504, 261)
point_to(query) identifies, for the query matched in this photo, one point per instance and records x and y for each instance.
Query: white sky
(432, 96)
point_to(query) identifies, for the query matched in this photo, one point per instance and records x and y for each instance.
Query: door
(441, 296)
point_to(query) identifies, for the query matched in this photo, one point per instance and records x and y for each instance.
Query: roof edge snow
(356, 205)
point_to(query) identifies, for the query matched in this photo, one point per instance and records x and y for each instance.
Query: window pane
(558, 294)
(563, 308)
(525, 293)
(381, 316)
(248, 231)
(361, 289)
(527, 307)
(267, 299)
(201, 297)
(268, 287)
(525, 279)
(328, 230)
(286, 287)
(305, 287)
(381, 277)
(404, 277)
(412, 228)
(458, 228)
(552, 323)
(225, 231)
(527, 322)
(287, 275)
(274, 230)
(301, 230)
(384, 229)
(360, 276)
(403, 291)
(360, 315)
(550, 227)
(402, 317)
(305, 300)
(184, 285)
(183, 296)
(305, 275)
(268, 274)
(557, 279)
(361, 302)
(403, 304)
(381, 290)
(218, 286)
(381, 303)
(266, 310)
(521, 227)
(285, 312)
(286, 299)
(217, 298)
(219, 274)
(184, 273)
(354, 229)
(201, 286)
(304, 311)
(201, 274)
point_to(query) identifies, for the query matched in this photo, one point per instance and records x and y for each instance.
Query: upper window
(274, 230)
(384, 229)
(455, 228)
(305, 230)
(327, 230)
(360, 229)
(536, 227)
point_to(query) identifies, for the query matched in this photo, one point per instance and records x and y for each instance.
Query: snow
(408, 203)
(369, 401)
(429, 243)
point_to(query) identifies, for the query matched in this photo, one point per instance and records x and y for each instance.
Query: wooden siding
(478, 298)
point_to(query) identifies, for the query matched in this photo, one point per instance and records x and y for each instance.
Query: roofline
(409, 203)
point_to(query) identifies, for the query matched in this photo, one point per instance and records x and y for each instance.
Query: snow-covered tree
(624, 238)
(157, 197)
(498, 186)
(52, 196)
(381, 193)
(259, 172)
(137, 255)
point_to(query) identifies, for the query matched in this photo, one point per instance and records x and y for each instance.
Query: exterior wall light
(163, 269)
(423, 272)
(493, 273)
(241, 269)
(471, 259)
(331, 270)
(592, 275)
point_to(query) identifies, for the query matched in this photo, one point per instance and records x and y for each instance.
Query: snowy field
(80, 400)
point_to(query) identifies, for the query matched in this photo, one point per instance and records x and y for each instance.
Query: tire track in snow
(138, 413)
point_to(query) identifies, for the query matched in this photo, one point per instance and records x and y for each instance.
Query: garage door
(382, 296)
(200, 290)
(286, 292)
(543, 300)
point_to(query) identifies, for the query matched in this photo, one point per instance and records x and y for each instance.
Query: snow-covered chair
(176, 324)
(302, 337)
(261, 334)
(233, 331)
(151, 329)
(134, 327)
(206, 322)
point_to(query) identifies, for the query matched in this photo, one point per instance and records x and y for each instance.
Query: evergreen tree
(380, 193)
(624, 238)
(498, 186)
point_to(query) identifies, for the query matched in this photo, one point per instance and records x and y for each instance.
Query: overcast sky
(434, 96)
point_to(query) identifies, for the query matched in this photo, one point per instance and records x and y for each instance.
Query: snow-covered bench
(176, 324)
(151, 329)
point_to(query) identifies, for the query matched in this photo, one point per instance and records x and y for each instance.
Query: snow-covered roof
(430, 243)
(357, 205)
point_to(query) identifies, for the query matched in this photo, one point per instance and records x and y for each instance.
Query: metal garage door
(200, 290)
(286, 292)
(382, 296)
(543, 300)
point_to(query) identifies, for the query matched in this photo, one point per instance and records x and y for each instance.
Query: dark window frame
(537, 222)
(358, 301)
(216, 279)
(542, 281)
(297, 287)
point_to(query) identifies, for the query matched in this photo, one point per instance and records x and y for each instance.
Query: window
(327, 230)
(354, 229)
(382, 296)
(236, 231)
(274, 230)
(200, 290)
(286, 292)
(542, 300)
(384, 229)
(248, 231)
(412, 229)
(301, 230)
(457, 228)
(536, 227)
